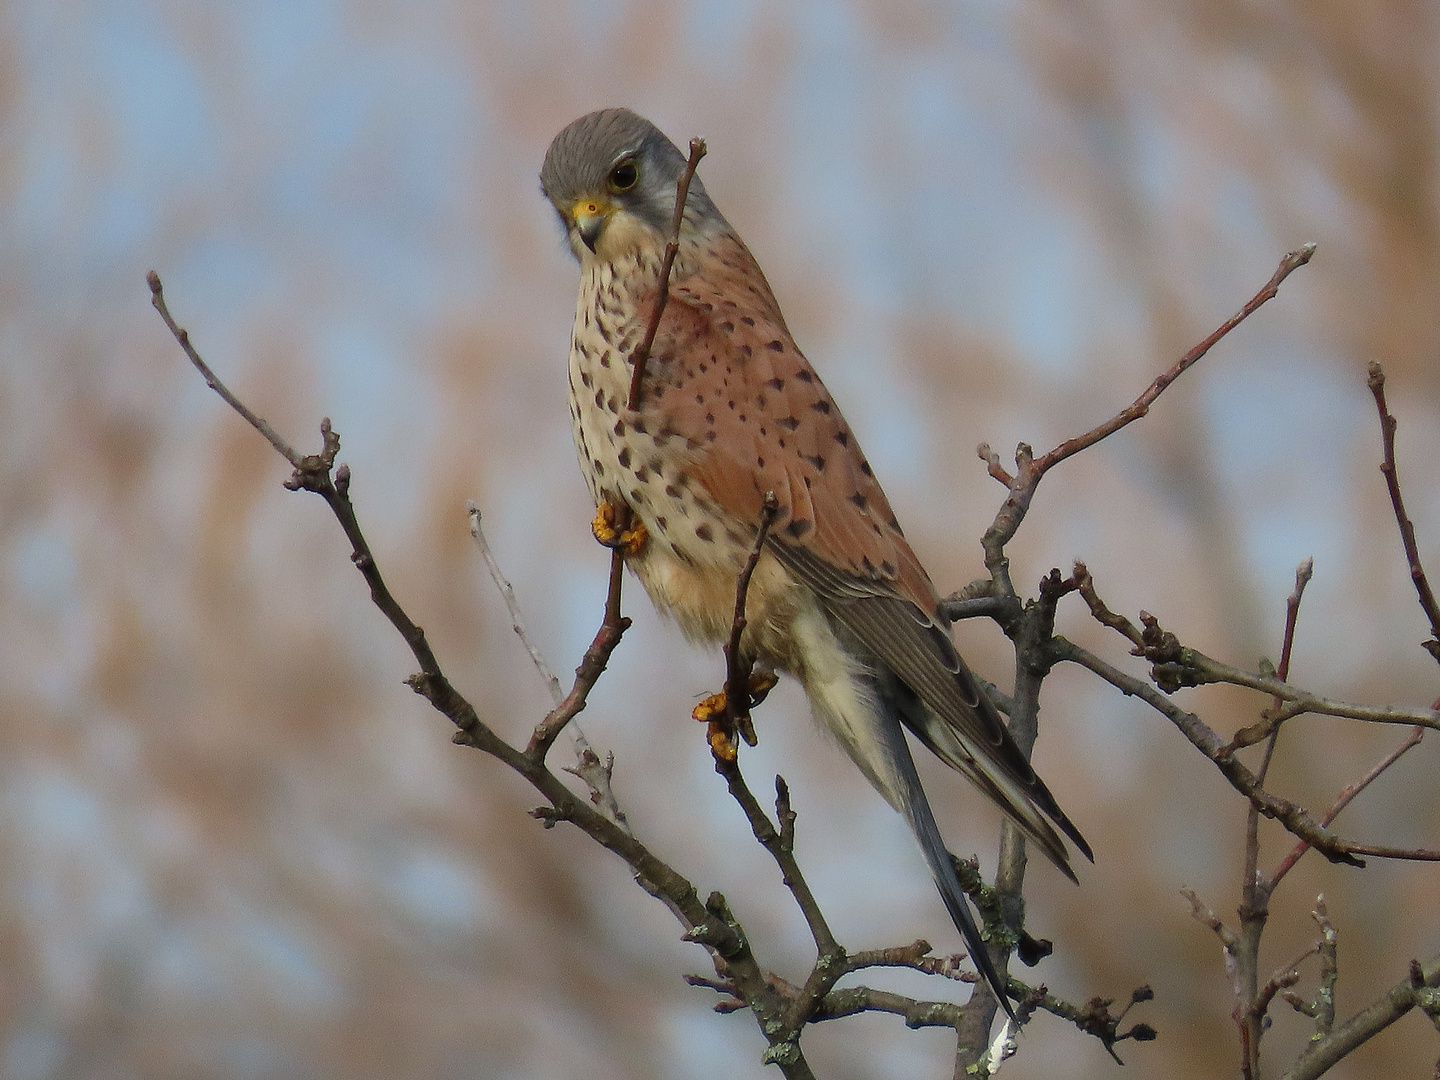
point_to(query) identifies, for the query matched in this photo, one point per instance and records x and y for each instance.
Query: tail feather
(912, 803)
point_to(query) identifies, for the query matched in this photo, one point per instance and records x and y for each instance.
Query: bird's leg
(619, 528)
(721, 729)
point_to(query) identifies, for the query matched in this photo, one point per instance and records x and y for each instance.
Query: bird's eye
(624, 176)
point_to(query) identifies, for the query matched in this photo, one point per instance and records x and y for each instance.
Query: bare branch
(157, 298)
(1204, 739)
(1410, 741)
(1388, 424)
(738, 666)
(1416, 989)
(1030, 469)
(641, 355)
(517, 622)
(1141, 405)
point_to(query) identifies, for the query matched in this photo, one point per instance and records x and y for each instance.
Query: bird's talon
(709, 708)
(632, 541)
(761, 683)
(604, 525)
(722, 742)
(609, 529)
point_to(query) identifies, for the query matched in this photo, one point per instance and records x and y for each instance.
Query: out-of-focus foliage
(235, 845)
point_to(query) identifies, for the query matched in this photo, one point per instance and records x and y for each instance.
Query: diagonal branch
(1030, 469)
(1388, 424)
(1204, 738)
(641, 356)
(1418, 988)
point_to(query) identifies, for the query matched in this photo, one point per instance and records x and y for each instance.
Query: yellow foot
(720, 731)
(607, 530)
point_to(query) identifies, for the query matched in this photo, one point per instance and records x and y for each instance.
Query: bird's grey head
(611, 177)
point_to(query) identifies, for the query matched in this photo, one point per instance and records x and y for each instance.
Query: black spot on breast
(760, 401)
(822, 407)
(728, 326)
(807, 482)
(742, 418)
(599, 399)
(710, 435)
(729, 304)
(639, 425)
(747, 320)
(662, 523)
(775, 346)
(585, 378)
(612, 405)
(619, 427)
(642, 473)
(599, 468)
(624, 457)
(704, 532)
(798, 527)
(759, 462)
(745, 350)
(710, 418)
(605, 358)
(816, 460)
(859, 500)
(731, 404)
(867, 564)
(789, 423)
(707, 307)
(672, 491)
(776, 384)
(699, 399)
(805, 375)
(865, 468)
(842, 437)
(637, 496)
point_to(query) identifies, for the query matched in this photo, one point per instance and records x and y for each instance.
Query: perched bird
(729, 411)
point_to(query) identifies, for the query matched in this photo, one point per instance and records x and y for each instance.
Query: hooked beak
(590, 217)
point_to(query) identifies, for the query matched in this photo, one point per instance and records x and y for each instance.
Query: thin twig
(1030, 469)
(1291, 815)
(157, 298)
(641, 355)
(1416, 989)
(1253, 1000)
(1141, 405)
(1344, 799)
(738, 666)
(1388, 424)
(517, 622)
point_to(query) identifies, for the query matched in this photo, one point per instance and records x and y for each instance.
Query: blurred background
(234, 844)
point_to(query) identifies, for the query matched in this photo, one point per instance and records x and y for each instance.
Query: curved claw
(721, 731)
(631, 541)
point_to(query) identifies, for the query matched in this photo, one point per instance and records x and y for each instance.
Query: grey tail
(915, 807)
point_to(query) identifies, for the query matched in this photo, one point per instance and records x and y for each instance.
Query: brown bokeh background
(235, 845)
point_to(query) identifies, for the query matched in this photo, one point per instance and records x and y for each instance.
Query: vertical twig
(641, 355)
(1388, 424)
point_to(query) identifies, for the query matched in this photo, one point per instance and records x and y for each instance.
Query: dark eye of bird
(624, 176)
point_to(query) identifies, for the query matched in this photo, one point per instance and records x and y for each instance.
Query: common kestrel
(731, 410)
